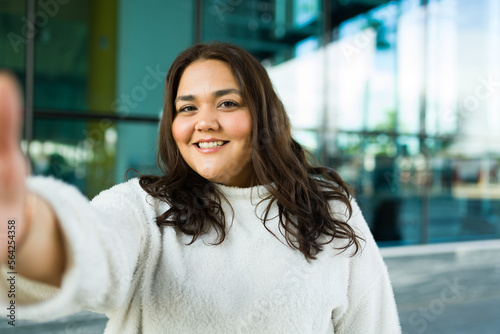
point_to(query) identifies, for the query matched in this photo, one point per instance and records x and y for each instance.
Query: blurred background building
(402, 98)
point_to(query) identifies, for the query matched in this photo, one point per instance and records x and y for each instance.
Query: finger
(10, 112)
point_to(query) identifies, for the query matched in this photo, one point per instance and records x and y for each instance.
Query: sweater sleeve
(103, 242)
(371, 308)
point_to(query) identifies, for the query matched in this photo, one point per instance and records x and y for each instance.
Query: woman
(240, 234)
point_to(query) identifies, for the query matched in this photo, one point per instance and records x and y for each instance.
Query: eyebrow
(217, 93)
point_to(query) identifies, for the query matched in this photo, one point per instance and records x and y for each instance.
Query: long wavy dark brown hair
(301, 191)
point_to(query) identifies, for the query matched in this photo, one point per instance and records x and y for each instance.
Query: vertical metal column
(198, 21)
(326, 38)
(29, 71)
(424, 227)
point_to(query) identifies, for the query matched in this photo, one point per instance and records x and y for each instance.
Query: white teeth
(210, 144)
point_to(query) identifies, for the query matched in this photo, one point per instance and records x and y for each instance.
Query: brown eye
(187, 109)
(228, 104)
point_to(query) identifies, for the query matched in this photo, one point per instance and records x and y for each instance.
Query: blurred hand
(13, 168)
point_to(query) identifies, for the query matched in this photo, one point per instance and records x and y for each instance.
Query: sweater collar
(254, 193)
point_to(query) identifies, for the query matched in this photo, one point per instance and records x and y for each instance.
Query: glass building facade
(402, 98)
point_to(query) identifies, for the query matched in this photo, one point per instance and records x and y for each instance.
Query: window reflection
(401, 99)
(404, 103)
(13, 36)
(89, 154)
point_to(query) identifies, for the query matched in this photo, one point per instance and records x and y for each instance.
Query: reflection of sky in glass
(306, 46)
(456, 62)
(305, 11)
(299, 84)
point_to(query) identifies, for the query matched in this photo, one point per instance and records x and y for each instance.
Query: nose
(207, 120)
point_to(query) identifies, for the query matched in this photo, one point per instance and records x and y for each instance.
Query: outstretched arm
(28, 223)
(89, 250)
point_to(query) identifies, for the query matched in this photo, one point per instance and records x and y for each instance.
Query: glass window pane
(465, 194)
(61, 56)
(274, 31)
(13, 36)
(92, 155)
(75, 55)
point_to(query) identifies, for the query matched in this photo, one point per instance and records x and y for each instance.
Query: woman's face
(212, 125)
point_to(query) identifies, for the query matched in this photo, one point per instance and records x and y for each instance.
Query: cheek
(241, 128)
(181, 131)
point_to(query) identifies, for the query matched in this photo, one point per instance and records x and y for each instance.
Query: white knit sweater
(147, 280)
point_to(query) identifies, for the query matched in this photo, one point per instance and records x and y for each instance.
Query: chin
(212, 177)
(224, 179)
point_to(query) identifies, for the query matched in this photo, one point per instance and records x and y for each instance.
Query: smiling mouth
(211, 144)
